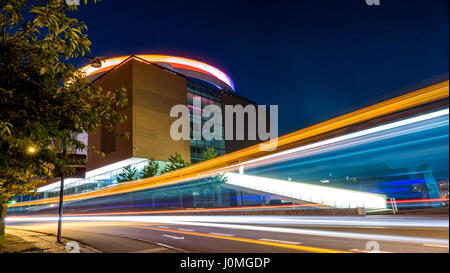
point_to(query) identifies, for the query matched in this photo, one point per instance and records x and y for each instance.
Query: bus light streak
(228, 162)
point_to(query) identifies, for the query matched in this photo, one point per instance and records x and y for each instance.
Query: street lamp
(95, 63)
(31, 150)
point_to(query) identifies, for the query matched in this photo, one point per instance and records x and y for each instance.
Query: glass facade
(208, 96)
(92, 183)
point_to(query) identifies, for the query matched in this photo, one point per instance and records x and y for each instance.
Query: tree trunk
(3, 208)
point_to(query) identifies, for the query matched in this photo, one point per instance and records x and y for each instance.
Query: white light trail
(373, 130)
(330, 196)
(243, 221)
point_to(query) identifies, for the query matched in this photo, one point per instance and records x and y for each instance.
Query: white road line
(280, 241)
(151, 250)
(164, 245)
(174, 237)
(221, 234)
(433, 245)
(162, 227)
(172, 247)
(338, 234)
(186, 229)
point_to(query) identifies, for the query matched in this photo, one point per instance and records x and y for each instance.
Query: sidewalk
(24, 241)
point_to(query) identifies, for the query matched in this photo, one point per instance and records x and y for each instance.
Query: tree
(175, 162)
(216, 180)
(44, 101)
(129, 173)
(209, 153)
(151, 169)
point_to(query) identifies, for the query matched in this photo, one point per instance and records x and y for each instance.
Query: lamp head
(96, 64)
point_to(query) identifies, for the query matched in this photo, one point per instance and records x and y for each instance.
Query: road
(248, 234)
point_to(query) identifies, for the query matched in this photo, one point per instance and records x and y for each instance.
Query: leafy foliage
(44, 101)
(209, 153)
(151, 169)
(175, 162)
(216, 180)
(129, 173)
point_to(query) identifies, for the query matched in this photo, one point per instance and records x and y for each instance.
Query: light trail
(342, 221)
(378, 129)
(337, 234)
(228, 162)
(420, 200)
(243, 223)
(247, 240)
(196, 210)
(312, 205)
(330, 196)
(190, 210)
(391, 130)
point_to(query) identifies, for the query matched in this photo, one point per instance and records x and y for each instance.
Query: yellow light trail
(247, 240)
(422, 96)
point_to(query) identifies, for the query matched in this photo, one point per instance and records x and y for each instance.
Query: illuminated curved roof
(185, 66)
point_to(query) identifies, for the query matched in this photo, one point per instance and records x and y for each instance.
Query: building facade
(154, 84)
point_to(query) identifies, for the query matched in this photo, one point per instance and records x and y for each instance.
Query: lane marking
(186, 229)
(338, 234)
(280, 241)
(151, 250)
(174, 237)
(164, 245)
(221, 234)
(163, 227)
(246, 240)
(433, 245)
(172, 247)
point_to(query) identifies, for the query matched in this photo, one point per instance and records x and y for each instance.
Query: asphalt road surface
(248, 234)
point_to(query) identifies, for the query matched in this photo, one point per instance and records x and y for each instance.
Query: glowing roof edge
(174, 61)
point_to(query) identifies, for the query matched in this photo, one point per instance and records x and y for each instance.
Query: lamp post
(60, 208)
(80, 170)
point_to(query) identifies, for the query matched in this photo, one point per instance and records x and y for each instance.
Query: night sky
(315, 59)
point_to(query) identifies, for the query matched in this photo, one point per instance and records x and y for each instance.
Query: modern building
(154, 83)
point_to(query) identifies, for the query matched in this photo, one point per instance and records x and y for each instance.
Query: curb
(41, 242)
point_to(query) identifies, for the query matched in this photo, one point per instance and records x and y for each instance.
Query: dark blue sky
(315, 59)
